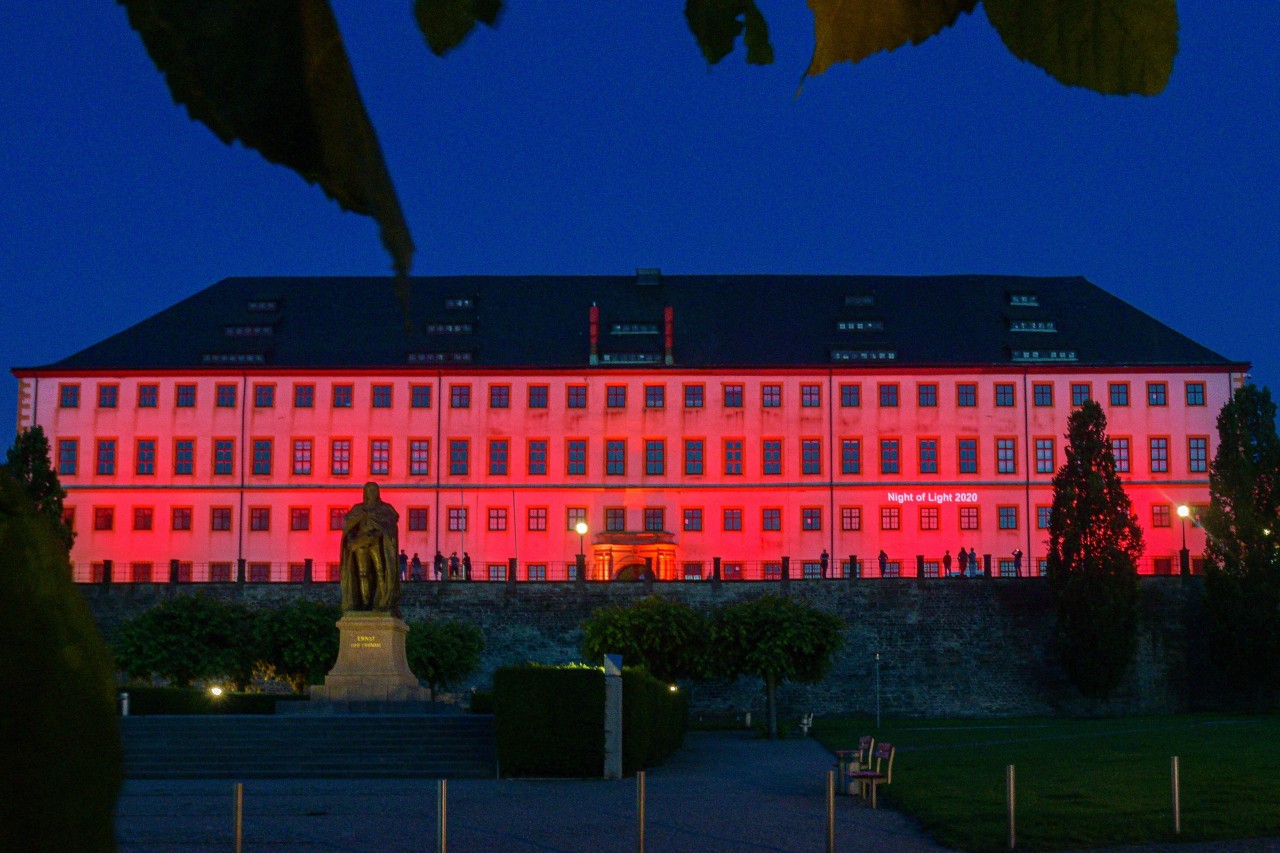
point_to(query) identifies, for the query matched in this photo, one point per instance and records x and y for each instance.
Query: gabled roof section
(718, 321)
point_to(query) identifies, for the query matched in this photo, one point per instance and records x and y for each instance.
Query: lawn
(1080, 783)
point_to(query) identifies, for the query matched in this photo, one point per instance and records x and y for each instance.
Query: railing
(783, 569)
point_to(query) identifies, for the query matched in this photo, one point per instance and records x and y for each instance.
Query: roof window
(859, 300)
(863, 355)
(634, 328)
(248, 331)
(460, 357)
(448, 328)
(1043, 355)
(457, 303)
(1033, 326)
(630, 358)
(1024, 300)
(264, 306)
(860, 326)
(232, 358)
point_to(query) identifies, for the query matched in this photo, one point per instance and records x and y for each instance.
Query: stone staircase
(340, 745)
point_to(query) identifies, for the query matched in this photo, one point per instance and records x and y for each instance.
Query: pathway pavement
(723, 792)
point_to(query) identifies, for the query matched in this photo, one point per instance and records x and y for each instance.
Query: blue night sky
(587, 137)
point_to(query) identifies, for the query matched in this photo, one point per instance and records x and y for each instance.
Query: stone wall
(964, 647)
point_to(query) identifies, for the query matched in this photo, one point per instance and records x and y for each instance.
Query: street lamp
(582, 528)
(1184, 556)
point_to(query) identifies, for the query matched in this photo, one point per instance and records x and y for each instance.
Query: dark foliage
(442, 653)
(666, 637)
(29, 464)
(191, 638)
(300, 642)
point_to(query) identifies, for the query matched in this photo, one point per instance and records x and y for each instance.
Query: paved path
(722, 792)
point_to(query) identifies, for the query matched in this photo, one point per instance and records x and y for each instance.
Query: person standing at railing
(884, 562)
(415, 568)
(946, 563)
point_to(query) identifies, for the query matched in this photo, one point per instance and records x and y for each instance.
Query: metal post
(442, 815)
(1177, 804)
(173, 571)
(582, 569)
(831, 811)
(124, 704)
(853, 567)
(240, 567)
(639, 811)
(786, 571)
(1011, 797)
(239, 816)
(308, 570)
(106, 571)
(877, 690)
(512, 565)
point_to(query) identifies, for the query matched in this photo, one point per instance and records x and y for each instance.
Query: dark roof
(719, 321)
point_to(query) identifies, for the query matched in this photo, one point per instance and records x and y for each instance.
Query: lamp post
(1184, 556)
(582, 528)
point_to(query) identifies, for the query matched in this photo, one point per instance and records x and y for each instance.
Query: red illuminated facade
(684, 419)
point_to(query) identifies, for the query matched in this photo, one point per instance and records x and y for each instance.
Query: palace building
(694, 423)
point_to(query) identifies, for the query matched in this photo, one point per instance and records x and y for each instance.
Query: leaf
(1116, 48)
(716, 26)
(445, 23)
(852, 30)
(275, 75)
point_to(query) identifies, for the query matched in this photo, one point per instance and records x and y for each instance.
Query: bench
(848, 760)
(880, 772)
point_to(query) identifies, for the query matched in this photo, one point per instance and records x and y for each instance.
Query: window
(888, 396)
(771, 396)
(304, 396)
(340, 456)
(259, 518)
(811, 456)
(1006, 456)
(537, 518)
(148, 396)
(497, 518)
(457, 519)
(225, 396)
(224, 453)
(1197, 455)
(143, 517)
(419, 457)
(890, 518)
(655, 457)
(733, 519)
(693, 518)
(1120, 450)
(1159, 455)
(106, 456)
(615, 456)
(336, 516)
(1043, 394)
(1195, 393)
(68, 454)
(108, 396)
(889, 456)
(1157, 394)
(574, 514)
(537, 572)
(733, 396)
(104, 518)
(420, 396)
(927, 396)
(1044, 517)
(968, 452)
(69, 396)
(1044, 456)
(537, 457)
(850, 518)
(654, 519)
(966, 394)
(180, 518)
(1004, 394)
(302, 456)
(928, 456)
(771, 518)
(498, 456)
(615, 396)
(299, 518)
(810, 396)
(1007, 517)
(615, 518)
(576, 456)
(655, 396)
(538, 396)
(692, 571)
(693, 396)
(968, 518)
(1079, 393)
(733, 456)
(772, 456)
(379, 457)
(264, 396)
(459, 396)
(459, 456)
(381, 398)
(693, 455)
(418, 518)
(1119, 393)
(929, 518)
(1160, 516)
(811, 518)
(576, 396)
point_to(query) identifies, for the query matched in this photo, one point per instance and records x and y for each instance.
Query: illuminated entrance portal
(627, 556)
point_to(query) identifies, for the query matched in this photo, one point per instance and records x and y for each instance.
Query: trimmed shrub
(442, 653)
(549, 720)
(145, 700)
(653, 720)
(300, 642)
(191, 638)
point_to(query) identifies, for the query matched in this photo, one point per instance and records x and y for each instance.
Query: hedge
(146, 700)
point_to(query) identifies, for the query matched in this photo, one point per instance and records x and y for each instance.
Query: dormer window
(462, 357)
(232, 358)
(1024, 300)
(248, 331)
(859, 300)
(448, 328)
(1043, 355)
(264, 306)
(860, 325)
(634, 328)
(1033, 326)
(459, 303)
(863, 355)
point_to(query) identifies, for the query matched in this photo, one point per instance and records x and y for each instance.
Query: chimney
(595, 334)
(669, 334)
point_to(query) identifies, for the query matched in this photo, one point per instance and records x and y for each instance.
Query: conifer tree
(28, 464)
(1094, 545)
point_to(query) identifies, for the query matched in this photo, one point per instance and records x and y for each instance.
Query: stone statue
(370, 545)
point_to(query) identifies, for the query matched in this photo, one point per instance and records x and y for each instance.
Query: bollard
(239, 816)
(1177, 806)
(639, 811)
(831, 811)
(1011, 797)
(442, 812)
(124, 704)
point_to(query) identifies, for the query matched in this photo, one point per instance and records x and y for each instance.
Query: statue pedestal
(371, 666)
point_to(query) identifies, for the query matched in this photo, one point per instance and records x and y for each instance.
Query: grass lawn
(1079, 782)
